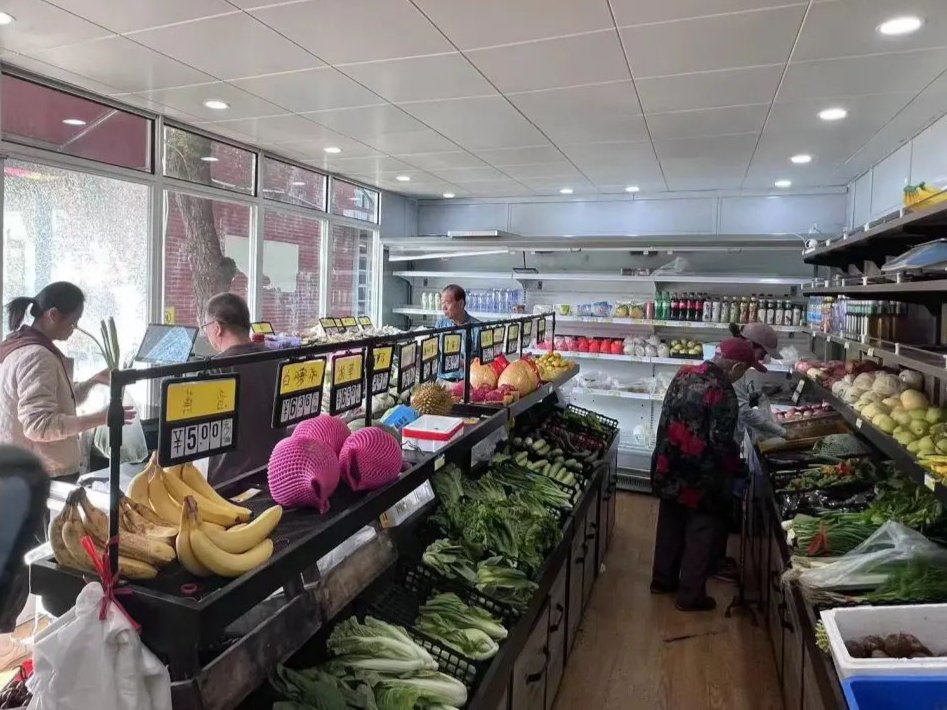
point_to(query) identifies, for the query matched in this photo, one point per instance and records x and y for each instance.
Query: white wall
(921, 159)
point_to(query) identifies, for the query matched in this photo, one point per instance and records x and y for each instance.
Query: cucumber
(518, 441)
(528, 441)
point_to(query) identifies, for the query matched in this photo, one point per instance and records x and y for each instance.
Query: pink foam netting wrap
(303, 473)
(329, 430)
(370, 459)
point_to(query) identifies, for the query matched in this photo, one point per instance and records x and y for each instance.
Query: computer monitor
(167, 344)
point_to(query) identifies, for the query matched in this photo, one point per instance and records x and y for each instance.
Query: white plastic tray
(928, 622)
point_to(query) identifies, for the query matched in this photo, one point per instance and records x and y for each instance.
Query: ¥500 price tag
(198, 418)
(450, 355)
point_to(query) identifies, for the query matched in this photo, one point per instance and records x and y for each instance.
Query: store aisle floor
(635, 651)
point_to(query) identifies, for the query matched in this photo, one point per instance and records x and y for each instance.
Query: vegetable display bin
(896, 692)
(928, 622)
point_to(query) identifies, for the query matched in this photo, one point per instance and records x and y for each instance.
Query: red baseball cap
(740, 350)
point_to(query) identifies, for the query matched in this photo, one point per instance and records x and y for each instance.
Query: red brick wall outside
(299, 309)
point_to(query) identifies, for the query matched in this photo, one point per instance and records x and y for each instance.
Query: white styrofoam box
(928, 622)
(432, 432)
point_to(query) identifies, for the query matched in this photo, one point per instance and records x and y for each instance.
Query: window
(290, 296)
(353, 201)
(196, 158)
(293, 185)
(61, 225)
(52, 119)
(206, 252)
(350, 271)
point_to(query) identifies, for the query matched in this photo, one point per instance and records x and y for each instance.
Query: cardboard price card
(348, 383)
(381, 369)
(350, 324)
(450, 355)
(499, 332)
(541, 330)
(331, 325)
(407, 367)
(429, 352)
(486, 346)
(512, 338)
(527, 333)
(298, 391)
(263, 327)
(365, 322)
(198, 418)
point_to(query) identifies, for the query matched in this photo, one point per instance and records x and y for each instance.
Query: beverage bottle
(744, 310)
(754, 309)
(708, 310)
(778, 318)
(674, 306)
(699, 308)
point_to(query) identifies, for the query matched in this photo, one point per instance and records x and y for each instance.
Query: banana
(138, 488)
(183, 546)
(238, 526)
(175, 471)
(249, 536)
(72, 534)
(161, 501)
(142, 525)
(148, 513)
(154, 552)
(223, 563)
(211, 511)
(60, 552)
(219, 528)
(192, 477)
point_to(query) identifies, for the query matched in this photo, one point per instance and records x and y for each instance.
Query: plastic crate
(928, 622)
(896, 692)
(425, 582)
(601, 418)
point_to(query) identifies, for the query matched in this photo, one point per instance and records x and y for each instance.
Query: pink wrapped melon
(370, 459)
(329, 430)
(303, 473)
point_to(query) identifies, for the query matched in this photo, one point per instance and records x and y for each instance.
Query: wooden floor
(635, 651)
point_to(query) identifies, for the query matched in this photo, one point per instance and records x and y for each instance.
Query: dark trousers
(685, 550)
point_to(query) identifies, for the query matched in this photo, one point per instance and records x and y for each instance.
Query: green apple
(913, 446)
(925, 445)
(904, 437)
(942, 446)
(919, 427)
(918, 414)
(902, 417)
(935, 415)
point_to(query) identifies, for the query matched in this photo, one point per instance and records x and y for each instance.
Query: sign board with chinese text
(298, 391)
(407, 367)
(348, 383)
(331, 325)
(263, 327)
(381, 369)
(450, 354)
(527, 333)
(512, 338)
(350, 324)
(198, 418)
(429, 350)
(365, 322)
(541, 330)
(486, 346)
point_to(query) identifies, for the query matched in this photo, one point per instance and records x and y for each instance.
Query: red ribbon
(110, 583)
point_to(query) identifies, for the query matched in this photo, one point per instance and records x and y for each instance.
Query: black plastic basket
(607, 422)
(424, 582)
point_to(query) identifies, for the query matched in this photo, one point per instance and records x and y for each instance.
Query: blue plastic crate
(895, 692)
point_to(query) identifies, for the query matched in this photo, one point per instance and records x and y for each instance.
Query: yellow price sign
(429, 349)
(486, 338)
(170, 315)
(350, 322)
(365, 321)
(339, 323)
(498, 334)
(347, 368)
(382, 358)
(408, 355)
(452, 342)
(263, 328)
(195, 399)
(298, 376)
(513, 331)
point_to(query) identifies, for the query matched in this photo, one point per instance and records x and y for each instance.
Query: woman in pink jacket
(38, 397)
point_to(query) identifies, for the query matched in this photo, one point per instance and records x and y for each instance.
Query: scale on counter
(930, 256)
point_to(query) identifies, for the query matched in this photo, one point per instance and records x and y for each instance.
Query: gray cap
(762, 335)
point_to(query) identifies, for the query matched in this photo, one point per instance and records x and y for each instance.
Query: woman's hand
(103, 378)
(102, 418)
(130, 414)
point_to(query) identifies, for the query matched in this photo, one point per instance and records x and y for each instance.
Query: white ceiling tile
(865, 113)
(848, 27)
(340, 31)
(479, 123)
(487, 23)
(425, 189)
(852, 76)
(615, 154)
(241, 47)
(374, 165)
(272, 129)
(732, 149)
(130, 15)
(635, 12)
(683, 175)
(40, 25)
(498, 188)
(440, 76)
(191, 100)
(762, 174)
(720, 42)
(438, 161)
(525, 155)
(552, 185)
(119, 62)
(466, 175)
(422, 141)
(324, 161)
(309, 90)
(320, 138)
(54, 72)
(645, 186)
(366, 122)
(563, 169)
(547, 64)
(707, 122)
(710, 89)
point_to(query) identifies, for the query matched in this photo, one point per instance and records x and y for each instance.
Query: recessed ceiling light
(448, 195)
(73, 121)
(632, 188)
(403, 178)
(801, 159)
(6, 19)
(210, 159)
(333, 150)
(783, 183)
(565, 191)
(216, 104)
(833, 114)
(900, 25)
(298, 183)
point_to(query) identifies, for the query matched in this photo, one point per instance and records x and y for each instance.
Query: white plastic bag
(134, 446)
(84, 663)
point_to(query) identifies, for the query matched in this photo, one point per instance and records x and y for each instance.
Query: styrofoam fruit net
(303, 473)
(370, 458)
(327, 429)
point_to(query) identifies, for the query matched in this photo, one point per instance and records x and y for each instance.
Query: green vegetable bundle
(108, 346)
(499, 580)
(833, 534)
(450, 560)
(451, 608)
(907, 503)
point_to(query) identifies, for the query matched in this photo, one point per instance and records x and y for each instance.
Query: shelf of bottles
(490, 300)
(857, 319)
(725, 309)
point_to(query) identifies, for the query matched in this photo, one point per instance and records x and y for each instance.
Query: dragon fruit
(370, 458)
(303, 473)
(326, 429)
(457, 389)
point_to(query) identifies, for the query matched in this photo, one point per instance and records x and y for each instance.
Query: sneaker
(659, 588)
(703, 604)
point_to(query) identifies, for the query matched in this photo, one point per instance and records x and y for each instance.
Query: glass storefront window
(206, 252)
(290, 295)
(350, 271)
(196, 158)
(293, 185)
(58, 121)
(349, 200)
(62, 225)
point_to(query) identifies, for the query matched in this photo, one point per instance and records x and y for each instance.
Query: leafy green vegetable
(317, 690)
(450, 560)
(504, 582)
(376, 646)
(448, 484)
(450, 606)
(905, 502)
(426, 690)
(471, 642)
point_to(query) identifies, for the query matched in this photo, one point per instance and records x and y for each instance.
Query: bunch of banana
(936, 464)
(915, 194)
(163, 491)
(204, 551)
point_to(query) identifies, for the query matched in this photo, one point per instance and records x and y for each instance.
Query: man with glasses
(454, 307)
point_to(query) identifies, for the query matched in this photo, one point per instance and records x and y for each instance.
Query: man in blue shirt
(454, 306)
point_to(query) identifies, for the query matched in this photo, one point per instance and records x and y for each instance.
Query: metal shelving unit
(599, 276)
(912, 357)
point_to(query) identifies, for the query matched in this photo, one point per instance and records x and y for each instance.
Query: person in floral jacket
(693, 467)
